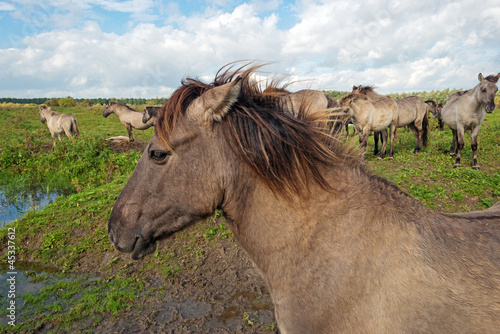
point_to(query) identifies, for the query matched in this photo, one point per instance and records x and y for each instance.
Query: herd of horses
(367, 110)
(341, 250)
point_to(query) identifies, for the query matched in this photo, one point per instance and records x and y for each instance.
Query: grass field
(70, 235)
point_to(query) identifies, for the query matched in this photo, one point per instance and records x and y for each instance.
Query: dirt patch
(121, 146)
(222, 292)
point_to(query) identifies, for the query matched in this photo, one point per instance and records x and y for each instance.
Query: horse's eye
(158, 156)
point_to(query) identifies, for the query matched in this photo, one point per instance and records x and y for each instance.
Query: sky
(144, 48)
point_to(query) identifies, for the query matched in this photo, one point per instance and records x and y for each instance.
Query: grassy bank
(70, 235)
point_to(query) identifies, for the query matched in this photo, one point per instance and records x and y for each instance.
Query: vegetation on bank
(70, 235)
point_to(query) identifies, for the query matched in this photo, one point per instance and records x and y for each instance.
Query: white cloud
(388, 43)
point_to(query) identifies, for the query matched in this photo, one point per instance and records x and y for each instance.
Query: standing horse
(413, 112)
(58, 123)
(311, 101)
(372, 115)
(466, 111)
(129, 117)
(341, 250)
(150, 112)
(384, 104)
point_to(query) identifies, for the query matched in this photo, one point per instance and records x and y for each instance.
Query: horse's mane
(287, 153)
(124, 105)
(350, 96)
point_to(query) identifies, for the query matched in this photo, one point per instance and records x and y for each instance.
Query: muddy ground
(224, 294)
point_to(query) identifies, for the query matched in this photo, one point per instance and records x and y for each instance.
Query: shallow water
(16, 205)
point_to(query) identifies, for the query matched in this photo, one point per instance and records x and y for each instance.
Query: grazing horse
(466, 111)
(341, 250)
(413, 112)
(372, 115)
(129, 117)
(150, 112)
(58, 123)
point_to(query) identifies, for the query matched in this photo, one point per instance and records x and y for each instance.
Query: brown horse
(466, 110)
(372, 115)
(341, 250)
(129, 117)
(58, 123)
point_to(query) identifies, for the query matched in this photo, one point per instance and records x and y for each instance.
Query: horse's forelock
(286, 152)
(492, 78)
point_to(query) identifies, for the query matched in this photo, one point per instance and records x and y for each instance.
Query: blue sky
(143, 48)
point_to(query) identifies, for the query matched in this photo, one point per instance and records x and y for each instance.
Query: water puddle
(13, 206)
(27, 282)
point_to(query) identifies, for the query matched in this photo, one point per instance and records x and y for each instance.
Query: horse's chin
(142, 248)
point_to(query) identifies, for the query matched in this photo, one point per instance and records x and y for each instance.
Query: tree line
(439, 96)
(73, 102)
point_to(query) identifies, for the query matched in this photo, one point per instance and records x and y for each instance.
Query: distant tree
(53, 102)
(86, 103)
(67, 102)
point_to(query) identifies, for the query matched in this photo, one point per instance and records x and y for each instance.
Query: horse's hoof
(476, 167)
(391, 158)
(452, 154)
(379, 158)
(456, 165)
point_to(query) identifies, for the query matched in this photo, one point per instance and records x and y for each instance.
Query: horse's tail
(74, 127)
(425, 127)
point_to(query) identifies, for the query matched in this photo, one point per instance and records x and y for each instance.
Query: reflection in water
(15, 205)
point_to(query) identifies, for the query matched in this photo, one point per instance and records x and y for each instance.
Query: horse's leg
(473, 144)
(130, 134)
(347, 129)
(460, 145)
(417, 133)
(376, 135)
(393, 135)
(383, 151)
(53, 135)
(453, 143)
(363, 138)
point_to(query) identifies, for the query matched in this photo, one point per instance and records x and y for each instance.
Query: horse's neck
(272, 228)
(472, 98)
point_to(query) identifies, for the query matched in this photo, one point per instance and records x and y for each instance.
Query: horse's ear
(219, 100)
(480, 77)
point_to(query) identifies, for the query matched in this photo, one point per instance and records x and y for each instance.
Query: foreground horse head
(341, 251)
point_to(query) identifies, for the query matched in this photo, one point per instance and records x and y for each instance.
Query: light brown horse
(413, 112)
(372, 114)
(466, 111)
(129, 117)
(341, 250)
(58, 123)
